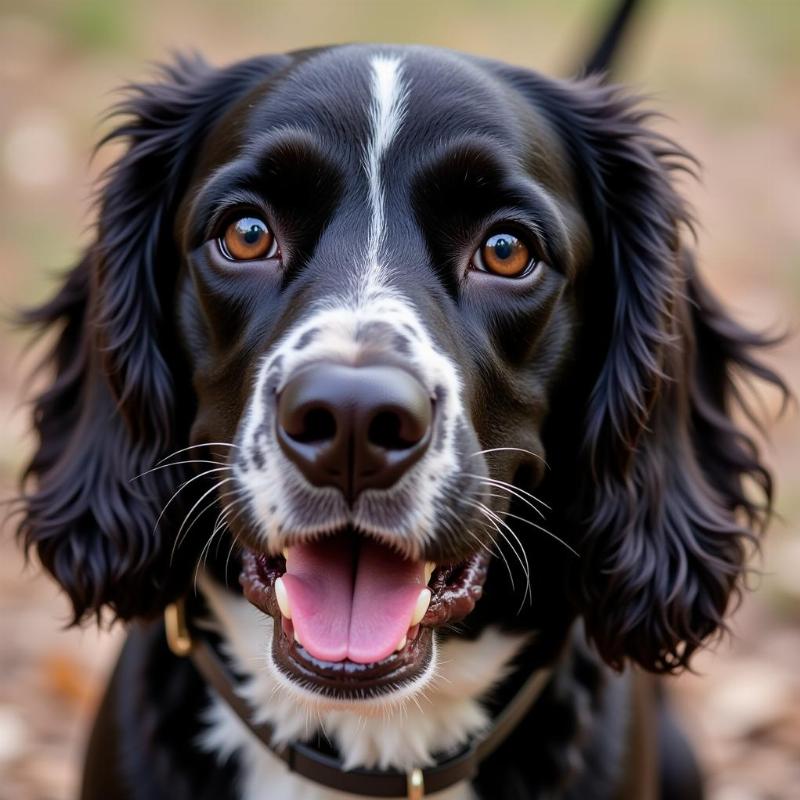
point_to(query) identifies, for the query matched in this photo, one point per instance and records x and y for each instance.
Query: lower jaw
(347, 680)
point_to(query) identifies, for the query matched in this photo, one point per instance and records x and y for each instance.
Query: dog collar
(327, 770)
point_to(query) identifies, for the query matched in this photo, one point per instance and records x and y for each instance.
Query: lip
(455, 589)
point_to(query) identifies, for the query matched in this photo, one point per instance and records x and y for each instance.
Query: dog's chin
(319, 666)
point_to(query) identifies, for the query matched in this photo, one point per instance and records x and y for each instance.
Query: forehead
(410, 100)
(336, 93)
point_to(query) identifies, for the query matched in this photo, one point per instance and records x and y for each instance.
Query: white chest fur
(401, 735)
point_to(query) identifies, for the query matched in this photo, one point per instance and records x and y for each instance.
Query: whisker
(511, 547)
(511, 494)
(180, 489)
(194, 446)
(211, 503)
(206, 549)
(219, 526)
(497, 496)
(523, 558)
(178, 537)
(514, 449)
(533, 524)
(523, 491)
(517, 492)
(483, 509)
(499, 554)
(544, 530)
(459, 520)
(177, 464)
(235, 538)
(513, 534)
(453, 533)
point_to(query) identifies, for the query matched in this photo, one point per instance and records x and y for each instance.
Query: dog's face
(391, 299)
(376, 304)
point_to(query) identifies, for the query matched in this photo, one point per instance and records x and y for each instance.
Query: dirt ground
(727, 73)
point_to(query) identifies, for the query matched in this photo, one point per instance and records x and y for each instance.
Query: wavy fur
(660, 470)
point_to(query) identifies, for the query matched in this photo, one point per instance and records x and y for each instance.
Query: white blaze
(387, 109)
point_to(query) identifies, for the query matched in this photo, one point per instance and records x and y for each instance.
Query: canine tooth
(401, 644)
(283, 598)
(430, 566)
(423, 601)
(285, 552)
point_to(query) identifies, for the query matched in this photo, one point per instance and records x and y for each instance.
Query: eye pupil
(252, 235)
(502, 248)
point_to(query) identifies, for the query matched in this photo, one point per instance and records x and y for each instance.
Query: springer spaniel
(395, 365)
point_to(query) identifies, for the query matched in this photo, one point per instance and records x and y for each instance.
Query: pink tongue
(349, 603)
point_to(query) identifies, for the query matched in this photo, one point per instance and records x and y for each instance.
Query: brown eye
(247, 239)
(506, 255)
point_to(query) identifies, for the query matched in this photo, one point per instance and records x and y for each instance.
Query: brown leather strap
(310, 763)
(640, 781)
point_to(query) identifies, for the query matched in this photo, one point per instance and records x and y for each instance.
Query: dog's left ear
(663, 513)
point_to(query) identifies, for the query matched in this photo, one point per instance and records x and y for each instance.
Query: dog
(391, 375)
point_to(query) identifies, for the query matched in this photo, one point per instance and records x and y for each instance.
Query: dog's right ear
(114, 405)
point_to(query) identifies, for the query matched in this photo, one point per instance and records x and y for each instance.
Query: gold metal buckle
(178, 637)
(415, 784)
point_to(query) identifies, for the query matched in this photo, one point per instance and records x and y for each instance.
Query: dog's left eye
(506, 255)
(247, 239)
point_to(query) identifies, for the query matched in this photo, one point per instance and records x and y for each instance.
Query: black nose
(354, 427)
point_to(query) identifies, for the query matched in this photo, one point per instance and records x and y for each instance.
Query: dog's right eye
(248, 239)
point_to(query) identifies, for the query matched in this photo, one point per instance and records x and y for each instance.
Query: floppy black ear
(118, 400)
(658, 483)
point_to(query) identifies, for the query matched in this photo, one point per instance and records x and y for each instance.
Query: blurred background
(727, 75)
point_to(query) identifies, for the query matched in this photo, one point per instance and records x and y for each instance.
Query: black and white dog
(395, 364)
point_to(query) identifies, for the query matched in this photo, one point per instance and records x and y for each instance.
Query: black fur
(119, 401)
(665, 476)
(651, 476)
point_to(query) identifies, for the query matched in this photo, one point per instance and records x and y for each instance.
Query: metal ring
(416, 784)
(178, 637)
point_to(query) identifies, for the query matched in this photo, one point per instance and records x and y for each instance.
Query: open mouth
(353, 618)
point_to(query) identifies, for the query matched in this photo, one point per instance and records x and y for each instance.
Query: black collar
(327, 770)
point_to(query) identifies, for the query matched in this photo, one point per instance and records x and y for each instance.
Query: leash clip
(178, 637)
(415, 783)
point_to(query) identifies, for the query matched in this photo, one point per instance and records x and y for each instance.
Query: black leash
(327, 770)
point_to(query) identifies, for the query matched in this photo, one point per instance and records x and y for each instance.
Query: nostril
(317, 425)
(390, 430)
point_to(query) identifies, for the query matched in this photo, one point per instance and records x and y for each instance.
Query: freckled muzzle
(354, 427)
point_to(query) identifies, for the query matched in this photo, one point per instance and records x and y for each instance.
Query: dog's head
(402, 319)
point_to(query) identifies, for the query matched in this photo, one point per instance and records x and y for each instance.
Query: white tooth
(283, 598)
(285, 552)
(401, 644)
(430, 566)
(423, 601)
